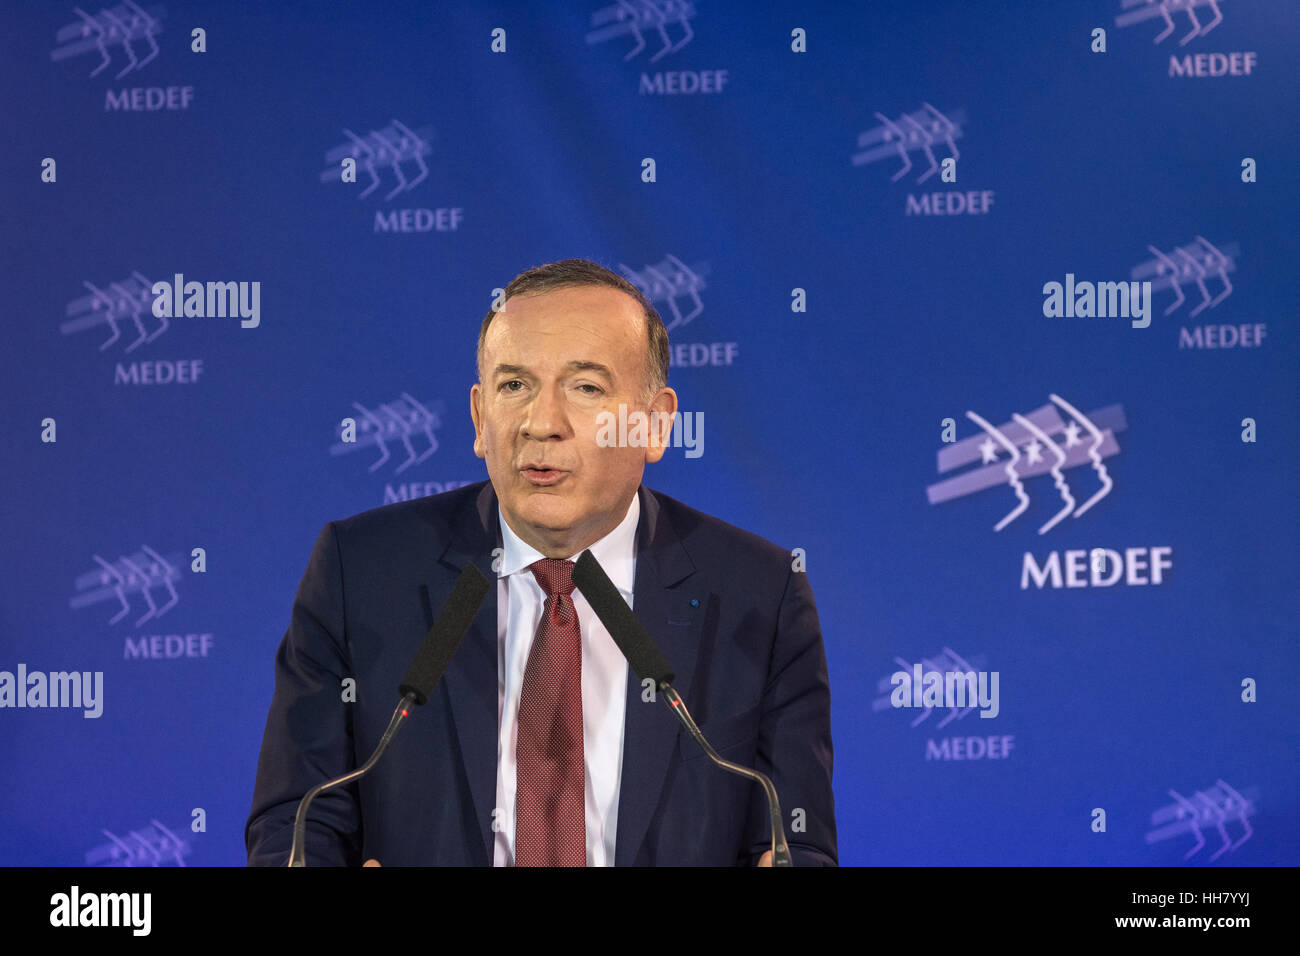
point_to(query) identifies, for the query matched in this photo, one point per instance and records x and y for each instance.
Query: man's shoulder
(700, 530)
(436, 513)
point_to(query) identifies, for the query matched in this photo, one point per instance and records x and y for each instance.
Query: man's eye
(596, 389)
(506, 385)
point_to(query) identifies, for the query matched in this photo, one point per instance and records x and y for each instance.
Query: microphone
(640, 650)
(422, 676)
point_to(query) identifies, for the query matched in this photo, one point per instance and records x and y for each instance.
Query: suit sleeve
(308, 736)
(794, 746)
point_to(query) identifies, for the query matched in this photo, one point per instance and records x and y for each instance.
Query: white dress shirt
(520, 602)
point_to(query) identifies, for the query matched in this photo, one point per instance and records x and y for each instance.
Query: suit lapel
(650, 732)
(471, 677)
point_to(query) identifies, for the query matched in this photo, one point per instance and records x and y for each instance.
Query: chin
(554, 514)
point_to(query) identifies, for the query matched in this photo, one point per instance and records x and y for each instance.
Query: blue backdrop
(1099, 508)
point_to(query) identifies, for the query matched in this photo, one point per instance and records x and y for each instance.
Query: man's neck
(568, 544)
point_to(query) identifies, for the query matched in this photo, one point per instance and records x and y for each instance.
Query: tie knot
(554, 575)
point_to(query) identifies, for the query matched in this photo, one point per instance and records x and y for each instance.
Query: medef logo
(405, 423)
(126, 25)
(667, 282)
(125, 307)
(139, 574)
(387, 149)
(1193, 265)
(1212, 811)
(1141, 11)
(153, 845)
(656, 27)
(153, 578)
(394, 154)
(124, 304)
(127, 32)
(1196, 275)
(920, 132)
(949, 683)
(675, 288)
(636, 18)
(402, 420)
(1029, 446)
(1041, 443)
(1197, 25)
(929, 133)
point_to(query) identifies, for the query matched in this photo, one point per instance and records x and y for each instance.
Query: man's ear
(476, 413)
(663, 408)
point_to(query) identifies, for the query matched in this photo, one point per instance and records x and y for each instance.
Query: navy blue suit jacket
(737, 625)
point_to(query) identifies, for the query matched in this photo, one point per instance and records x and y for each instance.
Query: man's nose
(547, 416)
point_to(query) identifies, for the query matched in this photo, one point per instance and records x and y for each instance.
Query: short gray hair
(568, 273)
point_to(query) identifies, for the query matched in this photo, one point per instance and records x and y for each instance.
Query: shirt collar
(616, 552)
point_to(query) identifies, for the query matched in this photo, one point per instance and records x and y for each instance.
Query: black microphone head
(445, 635)
(628, 633)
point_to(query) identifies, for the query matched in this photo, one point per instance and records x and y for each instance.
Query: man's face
(552, 363)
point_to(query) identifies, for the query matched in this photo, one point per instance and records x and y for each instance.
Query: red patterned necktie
(550, 807)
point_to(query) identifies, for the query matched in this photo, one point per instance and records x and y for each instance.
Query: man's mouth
(542, 475)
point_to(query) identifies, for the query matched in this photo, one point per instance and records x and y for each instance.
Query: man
(539, 747)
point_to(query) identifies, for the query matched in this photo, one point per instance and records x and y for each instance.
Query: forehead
(596, 319)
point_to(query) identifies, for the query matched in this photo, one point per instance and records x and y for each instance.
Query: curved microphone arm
(780, 849)
(298, 855)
